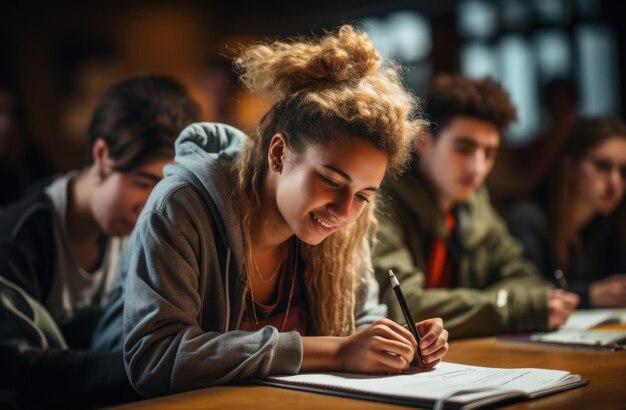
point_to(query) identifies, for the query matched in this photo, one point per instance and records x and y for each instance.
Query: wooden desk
(606, 372)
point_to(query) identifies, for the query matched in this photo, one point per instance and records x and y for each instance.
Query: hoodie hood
(204, 142)
(204, 156)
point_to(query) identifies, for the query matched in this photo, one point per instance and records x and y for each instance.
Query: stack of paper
(584, 319)
(576, 331)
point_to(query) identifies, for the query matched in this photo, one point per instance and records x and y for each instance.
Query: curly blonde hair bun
(339, 80)
(281, 68)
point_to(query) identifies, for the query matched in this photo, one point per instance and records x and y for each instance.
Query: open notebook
(576, 331)
(584, 319)
(449, 385)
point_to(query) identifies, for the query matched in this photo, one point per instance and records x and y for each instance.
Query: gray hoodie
(185, 292)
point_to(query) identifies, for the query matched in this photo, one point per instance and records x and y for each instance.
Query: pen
(560, 276)
(407, 314)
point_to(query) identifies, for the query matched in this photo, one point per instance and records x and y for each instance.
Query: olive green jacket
(496, 290)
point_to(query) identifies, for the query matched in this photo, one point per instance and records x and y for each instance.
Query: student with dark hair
(252, 256)
(439, 233)
(60, 246)
(577, 224)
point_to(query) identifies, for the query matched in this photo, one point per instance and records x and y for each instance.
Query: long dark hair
(584, 137)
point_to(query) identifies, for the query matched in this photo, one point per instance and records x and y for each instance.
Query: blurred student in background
(60, 246)
(448, 247)
(576, 228)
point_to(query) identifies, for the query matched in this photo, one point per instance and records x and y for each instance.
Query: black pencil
(405, 310)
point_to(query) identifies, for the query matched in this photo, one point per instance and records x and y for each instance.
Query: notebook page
(588, 337)
(584, 319)
(444, 380)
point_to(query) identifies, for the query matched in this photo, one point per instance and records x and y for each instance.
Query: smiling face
(459, 158)
(324, 188)
(601, 175)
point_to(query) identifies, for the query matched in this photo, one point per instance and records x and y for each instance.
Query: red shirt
(440, 265)
(274, 313)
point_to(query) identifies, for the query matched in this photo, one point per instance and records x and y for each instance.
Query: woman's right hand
(383, 347)
(608, 292)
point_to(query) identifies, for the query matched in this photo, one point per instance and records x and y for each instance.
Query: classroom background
(557, 58)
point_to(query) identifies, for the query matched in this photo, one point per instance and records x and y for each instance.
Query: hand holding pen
(561, 303)
(387, 347)
(424, 346)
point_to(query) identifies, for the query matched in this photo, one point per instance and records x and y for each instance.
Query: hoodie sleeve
(511, 296)
(165, 348)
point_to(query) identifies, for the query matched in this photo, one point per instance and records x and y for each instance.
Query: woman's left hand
(434, 343)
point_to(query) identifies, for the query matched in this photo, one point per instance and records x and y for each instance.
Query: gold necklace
(293, 284)
(255, 268)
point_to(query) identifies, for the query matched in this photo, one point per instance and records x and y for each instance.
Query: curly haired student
(251, 257)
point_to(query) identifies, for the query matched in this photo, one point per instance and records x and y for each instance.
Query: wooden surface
(606, 372)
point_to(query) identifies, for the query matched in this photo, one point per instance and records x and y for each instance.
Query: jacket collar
(474, 217)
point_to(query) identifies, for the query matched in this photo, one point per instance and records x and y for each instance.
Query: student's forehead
(471, 130)
(469, 137)
(613, 146)
(485, 141)
(151, 170)
(348, 157)
(333, 150)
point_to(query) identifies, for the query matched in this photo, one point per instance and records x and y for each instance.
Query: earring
(275, 165)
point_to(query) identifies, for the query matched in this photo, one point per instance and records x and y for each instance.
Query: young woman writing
(251, 257)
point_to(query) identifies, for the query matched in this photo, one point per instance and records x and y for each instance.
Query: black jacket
(40, 372)
(602, 252)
